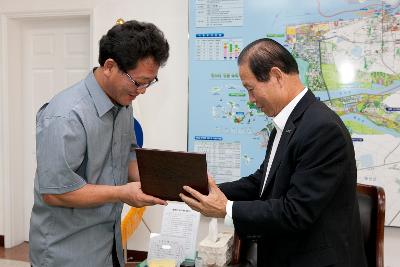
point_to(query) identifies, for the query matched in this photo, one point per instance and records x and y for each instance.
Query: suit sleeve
(246, 188)
(319, 158)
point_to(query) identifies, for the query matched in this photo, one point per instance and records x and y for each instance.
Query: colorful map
(348, 53)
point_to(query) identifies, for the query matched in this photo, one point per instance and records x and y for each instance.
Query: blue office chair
(138, 132)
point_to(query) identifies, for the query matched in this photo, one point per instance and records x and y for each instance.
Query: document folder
(163, 173)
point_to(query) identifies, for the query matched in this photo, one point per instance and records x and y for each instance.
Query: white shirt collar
(280, 120)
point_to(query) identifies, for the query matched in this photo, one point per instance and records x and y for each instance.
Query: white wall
(11, 6)
(163, 109)
(392, 242)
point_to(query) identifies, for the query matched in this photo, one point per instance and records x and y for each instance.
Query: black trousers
(114, 255)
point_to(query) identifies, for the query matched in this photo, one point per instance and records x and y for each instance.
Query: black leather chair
(244, 252)
(371, 201)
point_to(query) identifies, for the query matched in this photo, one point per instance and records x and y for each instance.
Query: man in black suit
(301, 203)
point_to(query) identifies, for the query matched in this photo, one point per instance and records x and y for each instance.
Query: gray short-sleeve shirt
(81, 138)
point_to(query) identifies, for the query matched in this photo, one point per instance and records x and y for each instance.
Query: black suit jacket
(308, 213)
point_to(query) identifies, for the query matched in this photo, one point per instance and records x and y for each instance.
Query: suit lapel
(287, 134)
(280, 150)
(268, 154)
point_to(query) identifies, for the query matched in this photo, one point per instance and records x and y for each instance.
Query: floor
(15, 257)
(13, 263)
(19, 256)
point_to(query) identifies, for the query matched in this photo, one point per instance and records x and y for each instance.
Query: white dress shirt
(279, 122)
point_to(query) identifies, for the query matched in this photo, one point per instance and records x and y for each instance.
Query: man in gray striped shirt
(86, 162)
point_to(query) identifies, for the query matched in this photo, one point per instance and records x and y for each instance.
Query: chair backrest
(138, 132)
(371, 202)
(244, 252)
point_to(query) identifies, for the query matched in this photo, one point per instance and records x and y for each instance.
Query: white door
(55, 55)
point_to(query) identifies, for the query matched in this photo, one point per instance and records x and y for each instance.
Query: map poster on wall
(348, 52)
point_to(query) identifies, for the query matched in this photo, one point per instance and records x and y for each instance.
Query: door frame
(11, 179)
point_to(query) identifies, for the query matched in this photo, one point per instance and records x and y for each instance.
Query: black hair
(264, 54)
(132, 41)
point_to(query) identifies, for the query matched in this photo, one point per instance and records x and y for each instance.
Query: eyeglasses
(141, 85)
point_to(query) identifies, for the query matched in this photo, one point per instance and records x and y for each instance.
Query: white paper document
(180, 221)
(166, 247)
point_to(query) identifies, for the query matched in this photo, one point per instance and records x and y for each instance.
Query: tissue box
(216, 253)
